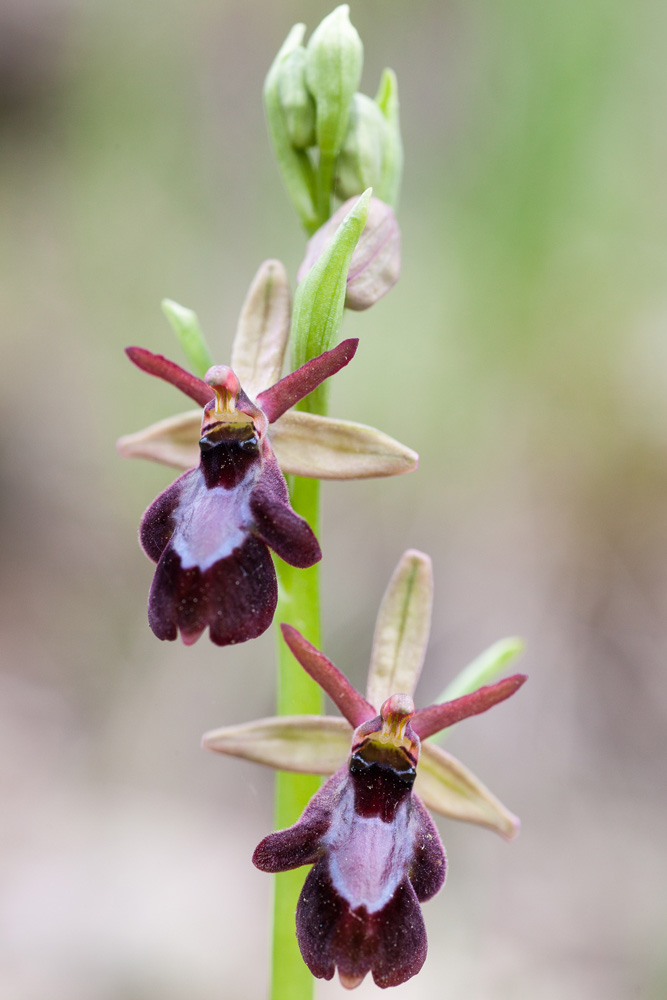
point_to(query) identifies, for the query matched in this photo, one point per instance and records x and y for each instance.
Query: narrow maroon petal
(429, 867)
(235, 597)
(353, 705)
(156, 364)
(427, 721)
(279, 397)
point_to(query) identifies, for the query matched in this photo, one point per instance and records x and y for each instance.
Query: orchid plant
(235, 543)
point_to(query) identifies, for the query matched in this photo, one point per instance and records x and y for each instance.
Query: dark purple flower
(375, 851)
(376, 855)
(211, 530)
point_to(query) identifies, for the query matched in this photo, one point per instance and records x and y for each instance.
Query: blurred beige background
(523, 353)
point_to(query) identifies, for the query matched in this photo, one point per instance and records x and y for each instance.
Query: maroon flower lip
(377, 855)
(211, 530)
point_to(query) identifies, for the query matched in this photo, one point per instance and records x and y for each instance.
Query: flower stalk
(298, 602)
(317, 318)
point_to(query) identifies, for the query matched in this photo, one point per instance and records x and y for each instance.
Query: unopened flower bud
(295, 99)
(362, 155)
(334, 57)
(376, 261)
(295, 166)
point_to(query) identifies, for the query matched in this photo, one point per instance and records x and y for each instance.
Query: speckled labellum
(211, 530)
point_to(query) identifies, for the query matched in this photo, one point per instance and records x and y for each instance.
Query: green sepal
(320, 298)
(186, 326)
(295, 166)
(388, 190)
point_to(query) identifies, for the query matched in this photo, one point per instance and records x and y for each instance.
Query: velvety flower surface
(209, 532)
(375, 851)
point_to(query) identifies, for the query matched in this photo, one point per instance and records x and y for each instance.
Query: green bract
(320, 298)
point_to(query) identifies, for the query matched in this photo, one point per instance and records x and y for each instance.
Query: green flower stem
(299, 605)
(316, 322)
(323, 184)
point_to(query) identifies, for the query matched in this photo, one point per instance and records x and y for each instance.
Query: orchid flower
(209, 532)
(375, 850)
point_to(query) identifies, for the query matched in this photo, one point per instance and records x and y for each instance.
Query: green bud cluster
(329, 139)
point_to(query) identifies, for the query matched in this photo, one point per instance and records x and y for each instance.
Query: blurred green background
(523, 354)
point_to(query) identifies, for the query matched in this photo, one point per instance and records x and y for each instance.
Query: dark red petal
(390, 943)
(287, 849)
(301, 844)
(353, 705)
(156, 364)
(235, 597)
(429, 866)
(427, 721)
(289, 535)
(157, 525)
(279, 397)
